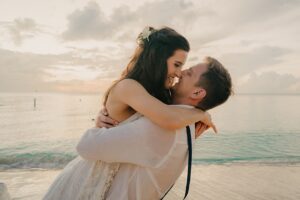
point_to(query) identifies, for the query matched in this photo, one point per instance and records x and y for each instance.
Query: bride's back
(117, 109)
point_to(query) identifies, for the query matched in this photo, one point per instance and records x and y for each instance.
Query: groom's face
(189, 78)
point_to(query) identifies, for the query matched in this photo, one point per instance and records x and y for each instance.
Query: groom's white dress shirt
(152, 158)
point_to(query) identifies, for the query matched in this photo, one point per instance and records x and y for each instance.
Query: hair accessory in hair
(146, 33)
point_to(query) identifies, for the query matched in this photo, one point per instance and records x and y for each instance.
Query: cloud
(270, 83)
(23, 71)
(77, 86)
(22, 29)
(29, 72)
(202, 23)
(91, 22)
(242, 20)
(249, 37)
(254, 11)
(241, 64)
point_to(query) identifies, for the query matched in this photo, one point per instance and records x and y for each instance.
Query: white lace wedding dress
(84, 180)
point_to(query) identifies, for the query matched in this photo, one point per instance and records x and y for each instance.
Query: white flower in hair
(146, 33)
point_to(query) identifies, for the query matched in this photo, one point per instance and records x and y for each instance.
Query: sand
(238, 182)
(209, 182)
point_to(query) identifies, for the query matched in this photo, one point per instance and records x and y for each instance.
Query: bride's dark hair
(148, 65)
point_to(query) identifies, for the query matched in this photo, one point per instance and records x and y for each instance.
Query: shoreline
(221, 182)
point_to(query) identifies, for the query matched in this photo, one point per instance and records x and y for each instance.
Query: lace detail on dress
(85, 180)
(114, 168)
(99, 181)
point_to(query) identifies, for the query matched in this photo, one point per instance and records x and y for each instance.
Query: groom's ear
(198, 94)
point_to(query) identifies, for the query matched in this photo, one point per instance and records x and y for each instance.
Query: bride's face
(175, 64)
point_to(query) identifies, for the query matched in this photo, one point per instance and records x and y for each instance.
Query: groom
(152, 158)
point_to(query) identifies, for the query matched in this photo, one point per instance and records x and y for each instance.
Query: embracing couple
(143, 143)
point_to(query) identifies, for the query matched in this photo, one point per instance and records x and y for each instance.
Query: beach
(235, 61)
(241, 182)
(254, 156)
(209, 182)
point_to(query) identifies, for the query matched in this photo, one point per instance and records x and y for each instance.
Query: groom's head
(205, 85)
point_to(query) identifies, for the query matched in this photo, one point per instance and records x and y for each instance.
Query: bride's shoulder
(128, 85)
(128, 82)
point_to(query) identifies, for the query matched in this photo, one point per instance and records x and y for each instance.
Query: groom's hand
(103, 120)
(200, 129)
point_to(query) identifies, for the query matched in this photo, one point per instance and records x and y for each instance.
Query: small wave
(46, 160)
(57, 160)
(262, 160)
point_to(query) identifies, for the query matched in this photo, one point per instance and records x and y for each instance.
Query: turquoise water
(252, 128)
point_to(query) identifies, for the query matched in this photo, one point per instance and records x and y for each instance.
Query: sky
(80, 46)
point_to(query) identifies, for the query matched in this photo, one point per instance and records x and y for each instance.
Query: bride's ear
(198, 94)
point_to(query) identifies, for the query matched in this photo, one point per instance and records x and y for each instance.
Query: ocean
(252, 129)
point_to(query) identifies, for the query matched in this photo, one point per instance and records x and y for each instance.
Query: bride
(157, 60)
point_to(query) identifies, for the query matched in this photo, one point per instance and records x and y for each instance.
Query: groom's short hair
(217, 83)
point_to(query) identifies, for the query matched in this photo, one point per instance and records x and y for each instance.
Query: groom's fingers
(214, 128)
(104, 117)
(198, 126)
(101, 125)
(104, 112)
(105, 121)
(200, 130)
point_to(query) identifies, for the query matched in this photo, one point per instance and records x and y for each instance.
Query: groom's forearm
(104, 145)
(127, 143)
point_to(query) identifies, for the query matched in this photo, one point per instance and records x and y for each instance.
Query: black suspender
(188, 179)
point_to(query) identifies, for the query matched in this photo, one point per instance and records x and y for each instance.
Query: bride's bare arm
(130, 92)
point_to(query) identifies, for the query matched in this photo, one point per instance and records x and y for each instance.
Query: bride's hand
(103, 120)
(208, 121)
